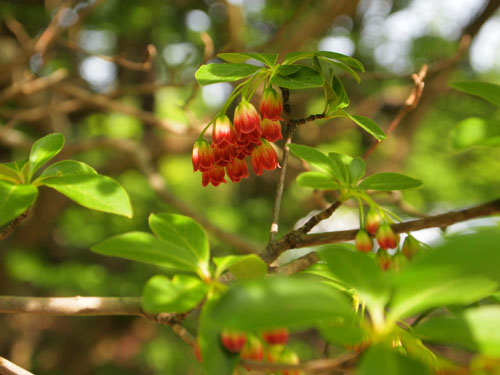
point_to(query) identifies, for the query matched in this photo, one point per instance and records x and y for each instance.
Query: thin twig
(315, 239)
(290, 129)
(9, 368)
(411, 103)
(10, 228)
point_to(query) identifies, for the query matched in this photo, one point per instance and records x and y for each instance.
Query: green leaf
(14, 200)
(356, 64)
(145, 248)
(475, 329)
(341, 100)
(181, 294)
(292, 57)
(317, 180)
(279, 302)
(286, 70)
(216, 360)
(461, 271)
(358, 271)
(340, 168)
(485, 90)
(475, 131)
(43, 150)
(343, 331)
(313, 156)
(304, 78)
(67, 168)
(184, 235)
(214, 73)
(345, 68)
(380, 359)
(357, 168)
(389, 181)
(94, 191)
(268, 59)
(243, 267)
(8, 174)
(368, 125)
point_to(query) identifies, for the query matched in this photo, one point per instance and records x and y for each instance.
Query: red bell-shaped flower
(203, 157)
(385, 236)
(224, 156)
(264, 157)
(214, 176)
(271, 105)
(223, 134)
(246, 118)
(236, 170)
(372, 221)
(271, 129)
(364, 242)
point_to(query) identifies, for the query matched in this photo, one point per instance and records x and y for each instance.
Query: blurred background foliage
(49, 256)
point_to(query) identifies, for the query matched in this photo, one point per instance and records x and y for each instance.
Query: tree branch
(9, 368)
(315, 239)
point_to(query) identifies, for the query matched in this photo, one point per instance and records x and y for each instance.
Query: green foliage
(475, 131)
(241, 266)
(389, 181)
(215, 73)
(367, 124)
(268, 59)
(42, 151)
(485, 90)
(303, 78)
(15, 199)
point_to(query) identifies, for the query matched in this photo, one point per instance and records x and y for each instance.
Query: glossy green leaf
(317, 180)
(357, 271)
(357, 168)
(476, 329)
(345, 68)
(461, 271)
(43, 150)
(94, 191)
(243, 267)
(292, 57)
(181, 294)
(67, 168)
(14, 200)
(475, 131)
(343, 331)
(356, 64)
(313, 156)
(341, 99)
(304, 78)
(214, 73)
(216, 359)
(184, 235)
(485, 90)
(268, 59)
(368, 125)
(279, 302)
(287, 69)
(8, 174)
(389, 181)
(145, 248)
(380, 359)
(340, 169)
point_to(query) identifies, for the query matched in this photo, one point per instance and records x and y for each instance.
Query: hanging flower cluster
(250, 134)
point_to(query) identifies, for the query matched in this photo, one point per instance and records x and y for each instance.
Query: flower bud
(264, 157)
(215, 176)
(399, 261)
(223, 134)
(372, 221)
(383, 259)
(253, 349)
(271, 105)
(203, 156)
(385, 236)
(278, 336)
(364, 242)
(271, 130)
(246, 118)
(233, 341)
(410, 247)
(236, 170)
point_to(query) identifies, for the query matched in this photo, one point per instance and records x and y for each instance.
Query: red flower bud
(236, 170)
(246, 118)
(203, 157)
(277, 336)
(410, 247)
(223, 134)
(215, 176)
(223, 156)
(364, 241)
(383, 259)
(372, 221)
(385, 237)
(233, 341)
(253, 350)
(264, 157)
(271, 130)
(271, 105)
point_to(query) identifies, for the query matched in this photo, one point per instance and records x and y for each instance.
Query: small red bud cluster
(233, 341)
(232, 143)
(380, 229)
